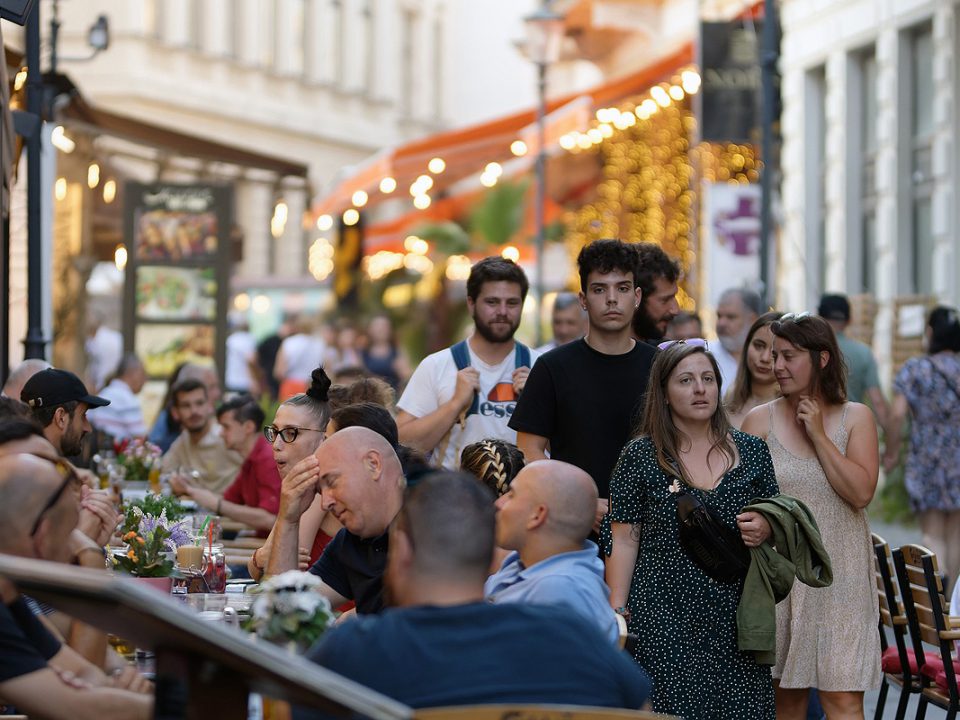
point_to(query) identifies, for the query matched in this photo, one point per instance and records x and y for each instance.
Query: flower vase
(160, 584)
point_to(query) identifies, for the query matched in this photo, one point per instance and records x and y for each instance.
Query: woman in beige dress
(755, 383)
(825, 453)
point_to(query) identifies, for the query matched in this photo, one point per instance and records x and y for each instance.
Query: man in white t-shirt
(444, 408)
(241, 358)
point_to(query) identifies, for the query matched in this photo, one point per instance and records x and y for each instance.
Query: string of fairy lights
(651, 167)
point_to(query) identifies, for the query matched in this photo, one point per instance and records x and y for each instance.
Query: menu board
(177, 279)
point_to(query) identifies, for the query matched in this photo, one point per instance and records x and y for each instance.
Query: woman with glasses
(686, 453)
(299, 427)
(825, 454)
(755, 383)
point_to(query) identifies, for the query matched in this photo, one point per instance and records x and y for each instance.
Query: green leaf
(448, 238)
(499, 214)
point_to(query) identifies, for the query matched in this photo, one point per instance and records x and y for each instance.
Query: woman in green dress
(686, 620)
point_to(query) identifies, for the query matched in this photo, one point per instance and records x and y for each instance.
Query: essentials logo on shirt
(501, 401)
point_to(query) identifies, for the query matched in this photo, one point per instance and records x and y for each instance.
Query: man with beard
(582, 399)
(467, 393)
(657, 277)
(199, 448)
(736, 312)
(59, 401)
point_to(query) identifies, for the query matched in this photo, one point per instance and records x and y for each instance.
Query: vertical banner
(178, 273)
(347, 260)
(729, 99)
(731, 224)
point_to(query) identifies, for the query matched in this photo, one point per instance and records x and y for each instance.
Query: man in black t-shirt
(361, 485)
(583, 399)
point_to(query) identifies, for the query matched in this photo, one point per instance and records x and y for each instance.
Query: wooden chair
(534, 712)
(921, 588)
(897, 669)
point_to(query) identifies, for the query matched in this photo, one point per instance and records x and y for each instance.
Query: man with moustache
(657, 277)
(582, 399)
(466, 393)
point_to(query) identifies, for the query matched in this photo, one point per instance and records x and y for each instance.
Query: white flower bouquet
(288, 610)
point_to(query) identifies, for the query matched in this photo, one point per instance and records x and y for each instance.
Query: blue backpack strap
(522, 356)
(461, 357)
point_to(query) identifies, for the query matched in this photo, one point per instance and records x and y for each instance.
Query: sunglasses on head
(695, 342)
(794, 317)
(69, 475)
(287, 434)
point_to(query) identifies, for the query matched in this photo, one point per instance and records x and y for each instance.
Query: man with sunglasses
(254, 496)
(38, 674)
(200, 447)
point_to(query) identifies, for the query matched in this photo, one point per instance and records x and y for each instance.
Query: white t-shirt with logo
(432, 384)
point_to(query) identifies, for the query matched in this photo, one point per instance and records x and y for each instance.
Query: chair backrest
(921, 587)
(916, 596)
(890, 608)
(534, 712)
(945, 635)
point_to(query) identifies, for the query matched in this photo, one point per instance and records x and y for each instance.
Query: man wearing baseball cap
(59, 401)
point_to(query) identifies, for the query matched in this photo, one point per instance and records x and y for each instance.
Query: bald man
(38, 674)
(358, 477)
(545, 518)
(23, 372)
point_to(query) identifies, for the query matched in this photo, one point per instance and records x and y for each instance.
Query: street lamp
(544, 33)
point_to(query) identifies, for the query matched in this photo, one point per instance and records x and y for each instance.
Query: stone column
(254, 206)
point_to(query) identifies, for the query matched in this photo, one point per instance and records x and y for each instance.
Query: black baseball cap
(834, 307)
(52, 387)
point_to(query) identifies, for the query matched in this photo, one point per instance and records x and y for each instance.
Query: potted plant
(150, 547)
(289, 611)
(139, 458)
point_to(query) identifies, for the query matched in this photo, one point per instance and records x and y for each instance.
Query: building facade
(869, 161)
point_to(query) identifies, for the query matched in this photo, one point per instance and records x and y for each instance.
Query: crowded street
(491, 360)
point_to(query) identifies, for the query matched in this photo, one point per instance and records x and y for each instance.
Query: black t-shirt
(25, 644)
(354, 567)
(586, 404)
(482, 653)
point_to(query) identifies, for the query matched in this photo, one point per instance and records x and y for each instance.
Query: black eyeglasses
(695, 342)
(794, 317)
(69, 475)
(287, 434)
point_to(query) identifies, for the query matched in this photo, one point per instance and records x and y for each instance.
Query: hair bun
(319, 385)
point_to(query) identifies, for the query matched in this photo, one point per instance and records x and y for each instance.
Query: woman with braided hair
(494, 462)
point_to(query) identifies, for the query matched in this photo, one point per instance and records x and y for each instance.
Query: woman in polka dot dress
(684, 619)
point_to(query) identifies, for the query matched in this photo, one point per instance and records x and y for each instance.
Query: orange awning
(466, 150)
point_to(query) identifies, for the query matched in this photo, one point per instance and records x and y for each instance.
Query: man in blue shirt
(545, 518)
(443, 645)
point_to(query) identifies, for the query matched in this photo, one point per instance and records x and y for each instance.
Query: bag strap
(947, 380)
(521, 356)
(461, 357)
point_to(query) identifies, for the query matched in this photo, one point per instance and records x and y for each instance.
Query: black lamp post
(544, 33)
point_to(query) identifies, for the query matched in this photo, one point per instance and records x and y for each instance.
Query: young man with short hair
(466, 393)
(199, 447)
(582, 399)
(254, 496)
